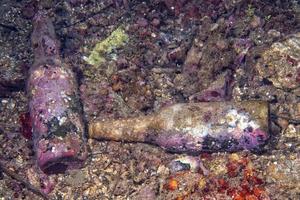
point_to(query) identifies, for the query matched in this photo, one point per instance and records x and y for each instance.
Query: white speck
(4, 101)
(62, 120)
(85, 58)
(198, 130)
(62, 76)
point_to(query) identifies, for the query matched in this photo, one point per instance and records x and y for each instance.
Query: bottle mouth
(60, 166)
(61, 158)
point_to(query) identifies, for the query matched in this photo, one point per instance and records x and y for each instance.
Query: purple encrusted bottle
(54, 104)
(194, 127)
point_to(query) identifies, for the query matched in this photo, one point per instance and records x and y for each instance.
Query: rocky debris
(219, 90)
(234, 176)
(280, 64)
(287, 117)
(15, 54)
(146, 75)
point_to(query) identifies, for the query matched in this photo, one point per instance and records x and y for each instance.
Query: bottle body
(54, 104)
(198, 127)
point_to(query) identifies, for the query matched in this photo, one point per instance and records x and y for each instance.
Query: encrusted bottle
(54, 106)
(193, 127)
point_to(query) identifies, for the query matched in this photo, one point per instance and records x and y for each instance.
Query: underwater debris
(232, 176)
(193, 128)
(55, 111)
(117, 39)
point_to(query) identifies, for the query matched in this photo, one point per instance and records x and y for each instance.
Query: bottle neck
(130, 129)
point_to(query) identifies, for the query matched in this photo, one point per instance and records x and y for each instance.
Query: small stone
(153, 35)
(222, 44)
(291, 131)
(214, 27)
(162, 170)
(274, 33)
(202, 183)
(256, 21)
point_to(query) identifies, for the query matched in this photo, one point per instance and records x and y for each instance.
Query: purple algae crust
(212, 127)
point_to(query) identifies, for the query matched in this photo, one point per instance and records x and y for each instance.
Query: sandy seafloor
(178, 51)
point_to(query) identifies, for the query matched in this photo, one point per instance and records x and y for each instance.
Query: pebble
(256, 22)
(291, 132)
(162, 170)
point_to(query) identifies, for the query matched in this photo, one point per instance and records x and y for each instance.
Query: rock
(219, 90)
(280, 64)
(291, 131)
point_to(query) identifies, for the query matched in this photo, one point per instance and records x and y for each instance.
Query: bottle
(54, 108)
(193, 127)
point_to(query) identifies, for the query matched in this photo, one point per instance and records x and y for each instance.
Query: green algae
(116, 39)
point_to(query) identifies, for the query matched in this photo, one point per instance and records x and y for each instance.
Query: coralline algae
(55, 111)
(194, 127)
(117, 39)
